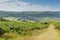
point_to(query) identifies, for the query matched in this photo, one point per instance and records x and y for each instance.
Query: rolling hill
(31, 15)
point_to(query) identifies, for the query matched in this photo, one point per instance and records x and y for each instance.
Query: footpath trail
(50, 34)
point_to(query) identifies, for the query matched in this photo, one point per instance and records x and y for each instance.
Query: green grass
(12, 29)
(57, 25)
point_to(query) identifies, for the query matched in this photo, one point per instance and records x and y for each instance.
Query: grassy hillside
(11, 29)
(16, 25)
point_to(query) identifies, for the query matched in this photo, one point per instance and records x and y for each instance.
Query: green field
(57, 25)
(29, 30)
(12, 29)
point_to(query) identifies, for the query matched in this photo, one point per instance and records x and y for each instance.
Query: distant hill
(30, 15)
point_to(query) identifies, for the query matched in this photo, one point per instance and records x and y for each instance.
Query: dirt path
(50, 34)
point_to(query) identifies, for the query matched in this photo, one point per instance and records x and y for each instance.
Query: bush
(1, 32)
(21, 27)
(57, 24)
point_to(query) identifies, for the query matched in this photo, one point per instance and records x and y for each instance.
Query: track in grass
(50, 34)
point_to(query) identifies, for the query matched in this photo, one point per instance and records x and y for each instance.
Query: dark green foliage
(3, 19)
(1, 32)
(57, 24)
(21, 27)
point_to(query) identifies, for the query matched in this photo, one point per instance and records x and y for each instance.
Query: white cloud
(23, 6)
(3, 0)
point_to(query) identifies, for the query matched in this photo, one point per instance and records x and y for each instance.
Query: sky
(29, 5)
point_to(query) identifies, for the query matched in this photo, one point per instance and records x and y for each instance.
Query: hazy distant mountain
(31, 15)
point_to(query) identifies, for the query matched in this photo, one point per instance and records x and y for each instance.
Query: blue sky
(53, 3)
(30, 5)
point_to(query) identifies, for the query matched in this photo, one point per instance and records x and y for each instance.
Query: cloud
(15, 5)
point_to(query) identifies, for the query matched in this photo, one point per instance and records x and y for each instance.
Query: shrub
(1, 32)
(21, 27)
